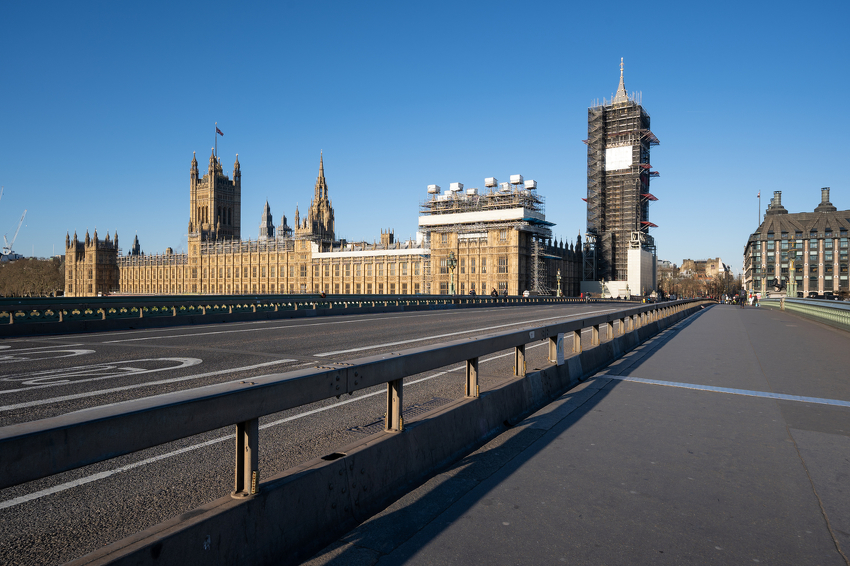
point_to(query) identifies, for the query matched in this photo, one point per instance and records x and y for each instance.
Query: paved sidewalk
(736, 452)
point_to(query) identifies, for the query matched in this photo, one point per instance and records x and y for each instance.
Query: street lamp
(451, 263)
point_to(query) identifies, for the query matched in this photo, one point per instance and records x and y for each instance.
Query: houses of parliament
(469, 241)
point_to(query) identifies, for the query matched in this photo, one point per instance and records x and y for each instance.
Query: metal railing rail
(19, 310)
(37, 449)
(834, 313)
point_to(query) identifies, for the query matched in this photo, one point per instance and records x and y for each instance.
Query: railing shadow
(443, 502)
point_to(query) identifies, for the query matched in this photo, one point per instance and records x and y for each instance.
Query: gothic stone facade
(306, 258)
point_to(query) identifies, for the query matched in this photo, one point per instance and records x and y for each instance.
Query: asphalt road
(56, 519)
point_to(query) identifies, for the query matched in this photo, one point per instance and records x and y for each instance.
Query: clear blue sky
(102, 105)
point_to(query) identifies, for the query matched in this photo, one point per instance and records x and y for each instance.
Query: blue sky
(102, 105)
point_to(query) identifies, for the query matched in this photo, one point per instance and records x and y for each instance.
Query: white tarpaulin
(618, 158)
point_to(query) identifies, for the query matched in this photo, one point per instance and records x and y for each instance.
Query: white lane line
(745, 392)
(264, 328)
(375, 346)
(265, 323)
(103, 475)
(136, 386)
(53, 347)
(284, 327)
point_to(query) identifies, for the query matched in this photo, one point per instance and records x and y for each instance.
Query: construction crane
(7, 248)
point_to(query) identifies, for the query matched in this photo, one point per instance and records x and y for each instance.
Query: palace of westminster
(468, 241)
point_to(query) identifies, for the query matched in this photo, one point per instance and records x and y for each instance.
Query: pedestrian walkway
(724, 440)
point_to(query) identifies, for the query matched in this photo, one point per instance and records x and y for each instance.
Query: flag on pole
(759, 195)
(219, 132)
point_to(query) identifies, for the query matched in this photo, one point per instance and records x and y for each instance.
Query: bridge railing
(37, 449)
(53, 310)
(833, 313)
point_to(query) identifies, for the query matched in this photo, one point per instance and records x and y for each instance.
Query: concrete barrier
(300, 511)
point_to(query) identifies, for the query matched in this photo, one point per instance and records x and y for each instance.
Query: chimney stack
(824, 195)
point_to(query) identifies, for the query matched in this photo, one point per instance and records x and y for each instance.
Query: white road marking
(11, 356)
(103, 475)
(732, 391)
(53, 377)
(375, 346)
(136, 386)
(264, 328)
(51, 347)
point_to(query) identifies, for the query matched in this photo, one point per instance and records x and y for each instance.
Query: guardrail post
(102, 314)
(254, 307)
(60, 315)
(173, 311)
(472, 377)
(247, 473)
(609, 330)
(594, 335)
(203, 309)
(519, 360)
(553, 349)
(576, 341)
(395, 397)
(141, 312)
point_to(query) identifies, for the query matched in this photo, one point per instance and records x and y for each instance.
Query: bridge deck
(718, 460)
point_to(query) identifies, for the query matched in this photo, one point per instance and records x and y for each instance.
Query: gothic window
(483, 265)
(380, 288)
(357, 288)
(380, 267)
(503, 286)
(444, 287)
(444, 238)
(392, 269)
(245, 274)
(472, 265)
(327, 270)
(403, 268)
(357, 273)
(303, 270)
(503, 235)
(503, 265)
(416, 288)
(348, 270)
(444, 267)
(315, 271)
(263, 271)
(369, 272)
(292, 271)
(416, 268)
(348, 288)
(368, 288)
(336, 270)
(392, 288)
(254, 271)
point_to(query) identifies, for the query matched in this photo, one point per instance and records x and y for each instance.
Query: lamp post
(451, 263)
(558, 294)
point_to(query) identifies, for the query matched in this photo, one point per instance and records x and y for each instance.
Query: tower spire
(621, 95)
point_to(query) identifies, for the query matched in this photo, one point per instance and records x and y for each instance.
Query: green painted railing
(58, 310)
(833, 313)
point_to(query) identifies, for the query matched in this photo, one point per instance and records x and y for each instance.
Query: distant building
(499, 239)
(619, 249)
(809, 249)
(704, 268)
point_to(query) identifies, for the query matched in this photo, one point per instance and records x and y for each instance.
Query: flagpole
(759, 214)
(215, 137)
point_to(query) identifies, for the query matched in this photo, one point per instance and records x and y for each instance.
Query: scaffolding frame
(617, 200)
